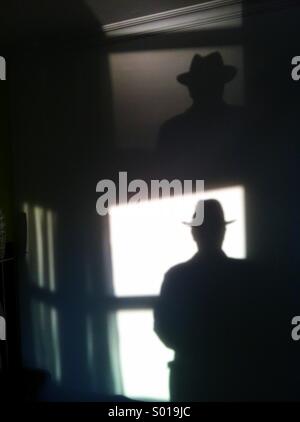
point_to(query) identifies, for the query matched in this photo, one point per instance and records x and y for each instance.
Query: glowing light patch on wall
(40, 257)
(46, 338)
(148, 238)
(51, 260)
(41, 236)
(39, 220)
(146, 91)
(143, 358)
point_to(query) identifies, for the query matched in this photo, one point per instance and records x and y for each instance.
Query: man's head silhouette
(206, 78)
(210, 234)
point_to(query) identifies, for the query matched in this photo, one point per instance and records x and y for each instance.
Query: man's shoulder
(193, 263)
(239, 264)
(236, 261)
(175, 275)
(174, 121)
(181, 267)
(181, 271)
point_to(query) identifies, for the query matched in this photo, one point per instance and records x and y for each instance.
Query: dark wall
(62, 112)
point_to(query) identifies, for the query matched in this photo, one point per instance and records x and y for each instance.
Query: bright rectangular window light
(148, 238)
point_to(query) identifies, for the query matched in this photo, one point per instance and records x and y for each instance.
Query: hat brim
(190, 223)
(227, 74)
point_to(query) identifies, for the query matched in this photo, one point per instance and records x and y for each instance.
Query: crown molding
(210, 14)
(184, 19)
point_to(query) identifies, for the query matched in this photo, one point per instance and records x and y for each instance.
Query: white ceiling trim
(211, 14)
(187, 18)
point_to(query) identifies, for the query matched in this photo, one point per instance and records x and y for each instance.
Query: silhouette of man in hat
(210, 128)
(201, 315)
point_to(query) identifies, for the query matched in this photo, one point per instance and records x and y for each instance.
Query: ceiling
(34, 19)
(118, 10)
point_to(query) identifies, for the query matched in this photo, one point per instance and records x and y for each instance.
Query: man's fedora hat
(213, 214)
(208, 67)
